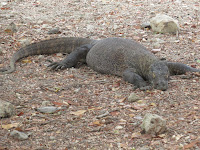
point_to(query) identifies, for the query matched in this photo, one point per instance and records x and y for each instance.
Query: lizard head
(159, 75)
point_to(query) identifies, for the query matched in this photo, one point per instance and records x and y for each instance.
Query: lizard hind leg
(179, 68)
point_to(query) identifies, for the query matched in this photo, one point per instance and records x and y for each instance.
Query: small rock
(155, 50)
(52, 137)
(53, 31)
(153, 124)
(25, 41)
(4, 3)
(115, 26)
(39, 21)
(164, 24)
(41, 57)
(156, 45)
(45, 26)
(12, 28)
(90, 28)
(47, 109)
(6, 109)
(103, 115)
(3, 51)
(157, 40)
(77, 90)
(146, 25)
(17, 1)
(18, 135)
(59, 54)
(118, 127)
(133, 97)
(144, 148)
(46, 103)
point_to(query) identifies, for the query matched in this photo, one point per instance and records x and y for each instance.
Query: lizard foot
(3, 69)
(57, 66)
(144, 88)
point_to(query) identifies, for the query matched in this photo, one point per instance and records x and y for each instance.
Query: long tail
(63, 45)
(179, 68)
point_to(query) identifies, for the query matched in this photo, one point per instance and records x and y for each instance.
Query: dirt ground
(84, 94)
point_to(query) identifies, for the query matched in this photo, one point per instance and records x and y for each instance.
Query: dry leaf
(140, 102)
(131, 115)
(20, 114)
(192, 144)
(162, 135)
(18, 129)
(136, 134)
(66, 103)
(96, 123)
(138, 107)
(95, 108)
(9, 126)
(26, 61)
(58, 131)
(71, 76)
(8, 30)
(60, 104)
(114, 113)
(153, 104)
(177, 137)
(78, 113)
(122, 121)
(5, 8)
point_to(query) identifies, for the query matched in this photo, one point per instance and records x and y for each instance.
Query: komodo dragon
(116, 56)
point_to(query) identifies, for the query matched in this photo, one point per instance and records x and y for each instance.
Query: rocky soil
(93, 109)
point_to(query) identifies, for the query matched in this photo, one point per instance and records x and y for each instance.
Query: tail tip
(6, 71)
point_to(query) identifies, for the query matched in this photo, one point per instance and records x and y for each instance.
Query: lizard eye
(153, 75)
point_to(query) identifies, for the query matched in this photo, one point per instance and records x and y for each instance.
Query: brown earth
(84, 94)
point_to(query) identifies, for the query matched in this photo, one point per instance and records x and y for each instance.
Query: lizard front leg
(72, 59)
(135, 79)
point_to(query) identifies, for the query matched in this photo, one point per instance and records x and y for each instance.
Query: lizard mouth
(161, 85)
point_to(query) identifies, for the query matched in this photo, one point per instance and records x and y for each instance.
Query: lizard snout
(161, 85)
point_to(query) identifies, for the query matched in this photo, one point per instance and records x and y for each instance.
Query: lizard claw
(57, 66)
(142, 88)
